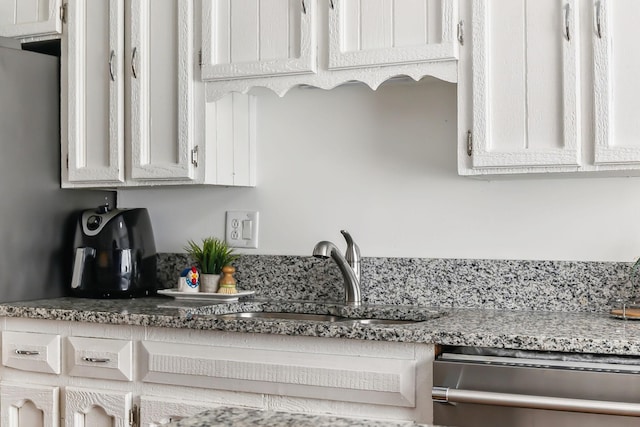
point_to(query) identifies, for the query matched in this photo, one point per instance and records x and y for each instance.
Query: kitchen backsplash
(494, 284)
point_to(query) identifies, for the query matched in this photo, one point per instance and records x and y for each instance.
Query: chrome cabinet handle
(598, 22)
(96, 359)
(567, 11)
(27, 352)
(134, 55)
(112, 72)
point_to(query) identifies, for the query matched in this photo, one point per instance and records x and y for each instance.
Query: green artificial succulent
(212, 255)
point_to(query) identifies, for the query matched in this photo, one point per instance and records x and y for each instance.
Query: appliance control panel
(93, 221)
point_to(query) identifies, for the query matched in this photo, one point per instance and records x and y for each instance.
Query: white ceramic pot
(209, 282)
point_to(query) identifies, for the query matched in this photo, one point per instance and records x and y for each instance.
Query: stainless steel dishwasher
(488, 387)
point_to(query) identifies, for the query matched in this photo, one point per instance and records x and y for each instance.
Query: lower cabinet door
(96, 408)
(160, 411)
(27, 405)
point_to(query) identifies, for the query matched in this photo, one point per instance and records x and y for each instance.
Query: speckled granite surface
(243, 417)
(525, 330)
(491, 284)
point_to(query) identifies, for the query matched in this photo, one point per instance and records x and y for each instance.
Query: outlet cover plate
(242, 229)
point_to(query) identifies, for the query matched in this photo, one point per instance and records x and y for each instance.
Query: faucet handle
(352, 254)
(350, 242)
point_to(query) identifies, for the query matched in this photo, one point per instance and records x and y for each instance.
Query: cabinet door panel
(162, 99)
(30, 18)
(93, 92)
(385, 32)
(616, 85)
(29, 405)
(249, 38)
(525, 83)
(96, 408)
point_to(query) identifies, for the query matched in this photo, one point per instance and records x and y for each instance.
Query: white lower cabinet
(25, 405)
(345, 377)
(100, 358)
(111, 376)
(96, 408)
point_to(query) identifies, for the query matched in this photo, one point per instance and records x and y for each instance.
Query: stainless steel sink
(379, 321)
(283, 316)
(312, 317)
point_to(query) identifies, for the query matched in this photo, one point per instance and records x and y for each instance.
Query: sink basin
(312, 317)
(379, 321)
(283, 316)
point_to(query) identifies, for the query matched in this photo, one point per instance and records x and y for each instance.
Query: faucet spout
(349, 267)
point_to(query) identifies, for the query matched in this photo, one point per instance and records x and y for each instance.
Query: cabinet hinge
(67, 161)
(134, 416)
(461, 33)
(200, 58)
(63, 13)
(469, 143)
(194, 156)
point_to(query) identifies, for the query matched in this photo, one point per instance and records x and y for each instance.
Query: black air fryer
(115, 254)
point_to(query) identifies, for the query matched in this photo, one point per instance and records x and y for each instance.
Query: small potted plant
(211, 257)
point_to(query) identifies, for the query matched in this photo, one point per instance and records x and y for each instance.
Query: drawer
(350, 378)
(100, 358)
(33, 352)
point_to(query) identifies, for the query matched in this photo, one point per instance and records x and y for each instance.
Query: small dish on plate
(205, 296)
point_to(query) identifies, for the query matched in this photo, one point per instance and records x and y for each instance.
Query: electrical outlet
(242, 229)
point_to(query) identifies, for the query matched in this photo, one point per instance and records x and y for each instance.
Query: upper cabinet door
(525, 83)
(93, 91)
(385, 32)
(251, 38)
(616, 84)
(161, 55)
(30, 18)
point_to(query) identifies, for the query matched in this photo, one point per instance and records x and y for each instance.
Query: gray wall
(34, 261)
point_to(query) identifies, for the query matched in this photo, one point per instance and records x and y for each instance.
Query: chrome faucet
(349, 265)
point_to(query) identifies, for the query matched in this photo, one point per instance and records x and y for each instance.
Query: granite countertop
(523, 330)
(243, 417)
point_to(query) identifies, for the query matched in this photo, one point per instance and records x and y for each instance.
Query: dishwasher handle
(453, 395)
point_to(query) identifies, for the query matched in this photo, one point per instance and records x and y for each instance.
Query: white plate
(204, 296)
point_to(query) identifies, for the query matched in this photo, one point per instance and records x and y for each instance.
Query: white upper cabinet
(31, 19)
(280, 44)
(524, 76)
(365, 33)
(616, 84)
(520, 106)
(249, 38)
(162, 90)
(93, 82)
(133, 112)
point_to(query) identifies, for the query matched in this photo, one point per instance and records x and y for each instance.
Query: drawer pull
(27, 352)
(96, 359)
